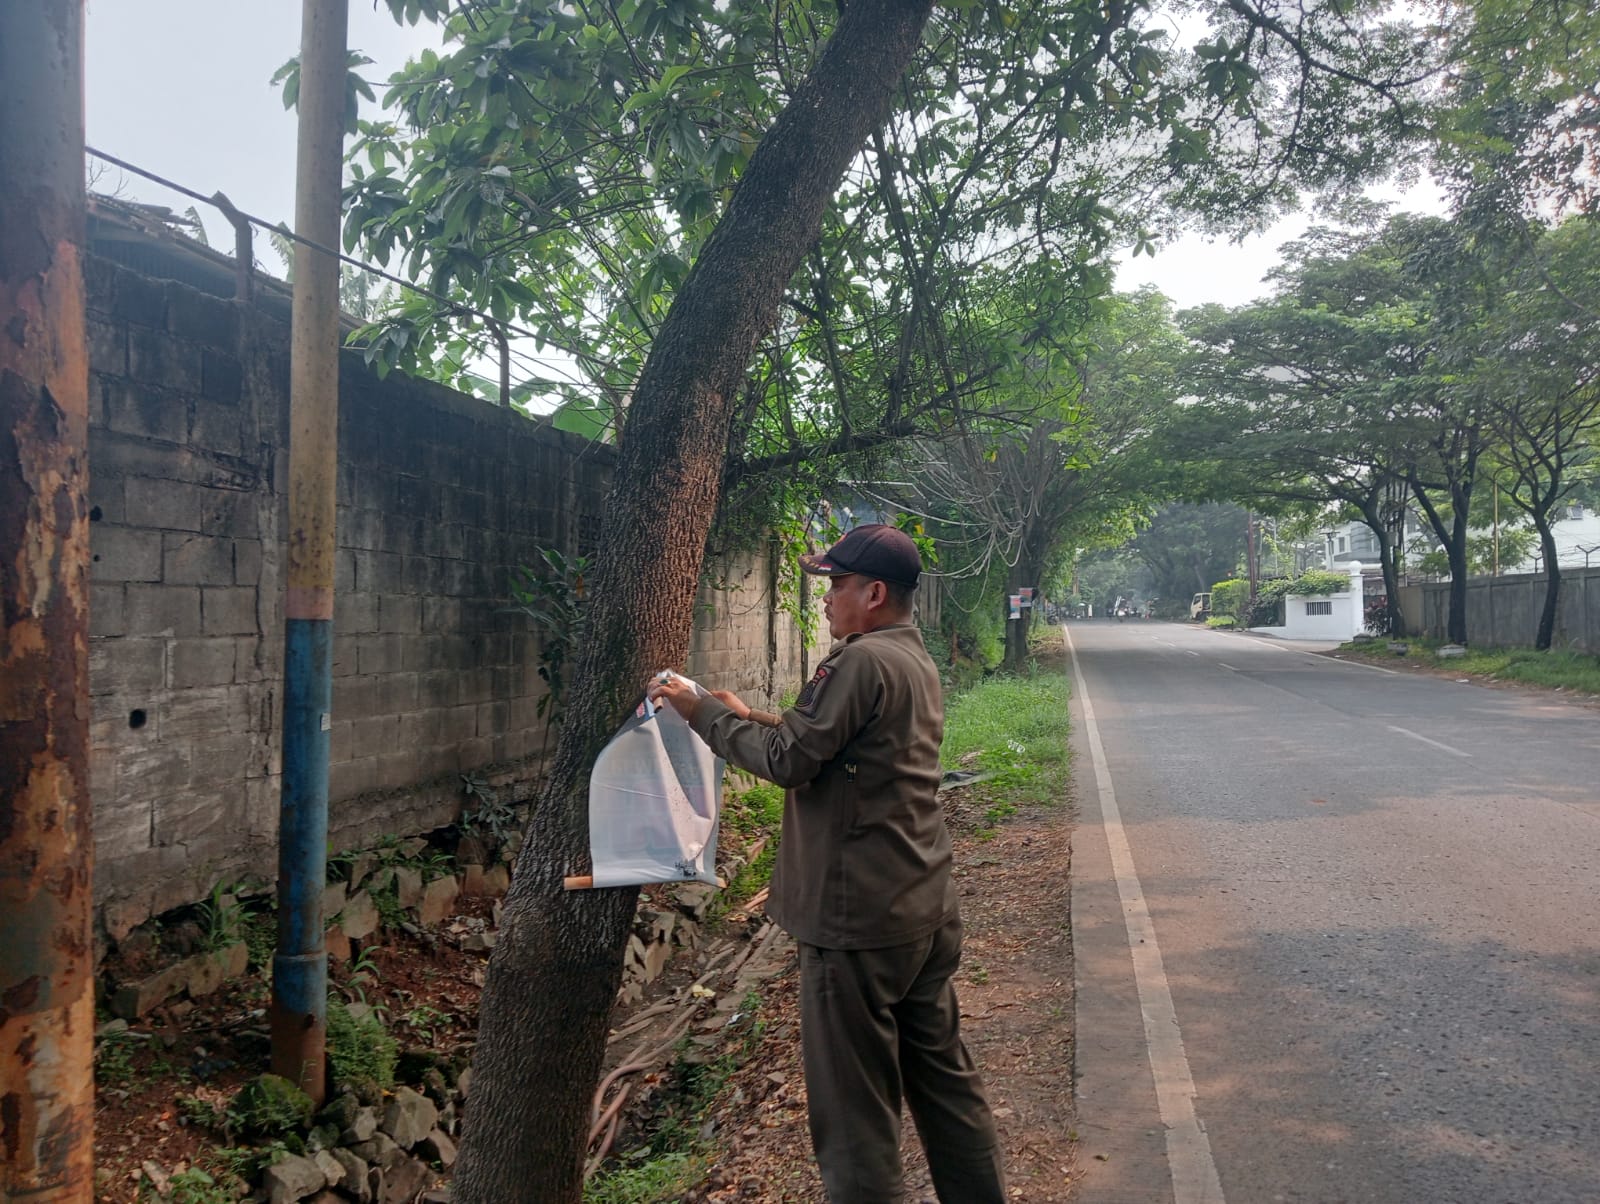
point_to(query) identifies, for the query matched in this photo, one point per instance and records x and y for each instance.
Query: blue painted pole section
(300, 966)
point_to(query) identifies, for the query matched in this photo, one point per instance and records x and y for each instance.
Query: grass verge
(1015, 728)
(1558, 670)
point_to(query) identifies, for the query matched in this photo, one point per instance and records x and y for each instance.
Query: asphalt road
(1337, 931)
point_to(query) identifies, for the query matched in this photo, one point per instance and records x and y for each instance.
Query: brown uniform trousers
(878, 1026)
(863, 884)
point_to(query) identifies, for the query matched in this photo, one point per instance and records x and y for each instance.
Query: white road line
(1227, 666)
(1191, 652)
(1194, 1173)
(1454, 752)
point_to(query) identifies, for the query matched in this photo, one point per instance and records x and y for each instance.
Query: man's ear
(877, 595)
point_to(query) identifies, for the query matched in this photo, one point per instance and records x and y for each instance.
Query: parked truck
(1200, 607)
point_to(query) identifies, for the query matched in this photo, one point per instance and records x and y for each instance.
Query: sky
(1194, 269)
(181, 87)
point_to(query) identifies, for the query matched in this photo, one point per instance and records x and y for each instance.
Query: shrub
(1319, 583)
(1377, 617)
(1267, 612)
(1229, 599)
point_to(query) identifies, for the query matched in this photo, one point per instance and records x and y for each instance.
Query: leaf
(590, 419)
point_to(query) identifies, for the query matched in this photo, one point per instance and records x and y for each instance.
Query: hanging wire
(228, 208)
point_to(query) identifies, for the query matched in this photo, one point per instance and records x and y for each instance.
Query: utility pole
(1496, 529)
(46, 830)
(1250, 560)
(299, 1010)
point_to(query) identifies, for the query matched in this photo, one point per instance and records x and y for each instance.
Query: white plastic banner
(653, 800)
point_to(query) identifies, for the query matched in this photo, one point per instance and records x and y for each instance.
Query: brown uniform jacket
(864, 861)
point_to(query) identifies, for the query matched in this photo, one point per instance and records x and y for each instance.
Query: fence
(1503, 612)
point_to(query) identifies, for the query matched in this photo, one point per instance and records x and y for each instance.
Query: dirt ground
(425, 986)
(1015, 986)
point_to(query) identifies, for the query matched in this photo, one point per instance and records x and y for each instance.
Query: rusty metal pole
(46, 837)
(300, 967)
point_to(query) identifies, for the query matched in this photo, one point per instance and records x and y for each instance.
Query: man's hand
(676, 691)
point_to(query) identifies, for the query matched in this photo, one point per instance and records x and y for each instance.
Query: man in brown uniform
(863, 884)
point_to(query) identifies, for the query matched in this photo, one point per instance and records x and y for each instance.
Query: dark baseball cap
(875, 550)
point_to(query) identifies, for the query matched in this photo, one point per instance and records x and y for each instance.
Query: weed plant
(260, 934)
(674, 1161)
(427, 1022)
(390, 914)
(192, 1186)
(360, 1049)
(222, 917)
(1567, 670)
(644, 1178)
(488, 816)
(113, 1058)
(202, 1113)
(749, 813)
(750, 879)
(269, 1106)
(246, 1162)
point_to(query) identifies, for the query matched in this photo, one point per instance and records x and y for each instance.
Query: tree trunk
(1027, 573)
(46, 834)
(1456, 625)
(1017, 628)
(1552, 581)
(1454, 539)
(554, 975)
(1391, 574)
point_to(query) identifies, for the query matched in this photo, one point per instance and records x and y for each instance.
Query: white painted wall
(1344, 622)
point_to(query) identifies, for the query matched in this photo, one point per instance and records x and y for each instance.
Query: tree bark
(46, 833)
(554, 975)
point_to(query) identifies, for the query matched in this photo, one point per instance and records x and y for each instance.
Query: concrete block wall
(441, 498)
(1503, 612)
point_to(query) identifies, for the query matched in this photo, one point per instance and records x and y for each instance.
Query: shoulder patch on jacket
(807, 701)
